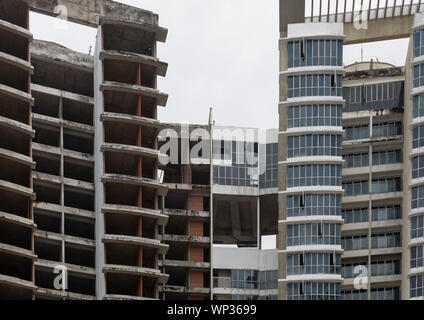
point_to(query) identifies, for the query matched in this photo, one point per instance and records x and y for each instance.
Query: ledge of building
(17, 30)
(59, 294)
(16, 282)
(17, 62)
(185, 290)
(138, 181)
(136, 211)
(17, 157)
(161, 67)
(161, 98)
(186, 264)
(197, 241)
(129, 149)
(187, 213)
(72, 268)
(55, 53)
(91, 244)
(136, 241)
(141, 271)
(126, 118)
(16, 188)
(49, 207)
(124, 297)
(25, 253)
(63, 94)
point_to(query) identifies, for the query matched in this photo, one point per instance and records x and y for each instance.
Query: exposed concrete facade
(65, 159)
(17, 227)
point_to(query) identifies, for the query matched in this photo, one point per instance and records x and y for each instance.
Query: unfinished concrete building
(228, 202)
(71, 195)
(128, 190)
(62, 86)
(17, 226)
(79, 183)
(187, 205)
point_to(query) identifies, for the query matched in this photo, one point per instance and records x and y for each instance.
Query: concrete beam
(205, 266)
(137, 181)
(17, 62)
(16, 251)
(119, 297)
(16, 94)
(90, 244)
(141, 271)
(54, 53)
(136, 211)
(16, 282)
(127, 149)
(379, 30)
(17, 157)
(198, 241)
(185, 290)
(88, 12)
(18, 126)
(64, 94)
(72, 183)
(77, 156)
(16, 188)
(161, 67)
(161, 98)
(82, 129)
(60, 294)
(136, 241)
(17, 30)
(130, 119)
(17, 220)
(201, 215)
(53, 208)
(86, 272)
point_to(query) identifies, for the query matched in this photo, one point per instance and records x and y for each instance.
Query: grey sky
(221, 53)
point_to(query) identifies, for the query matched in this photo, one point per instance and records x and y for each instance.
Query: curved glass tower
(311, 135)
(416, 215)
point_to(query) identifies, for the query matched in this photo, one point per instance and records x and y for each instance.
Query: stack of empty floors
(64, 173)
(16, 163)
(127, 186)
(187, 233)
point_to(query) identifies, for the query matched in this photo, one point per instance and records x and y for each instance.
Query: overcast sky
(221, 54)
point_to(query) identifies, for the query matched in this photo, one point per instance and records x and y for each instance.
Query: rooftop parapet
(53, 51)
(89, 12)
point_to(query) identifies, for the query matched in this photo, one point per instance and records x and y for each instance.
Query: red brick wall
(197, 254)
(196, 203)
(196, 279)
(196, 228)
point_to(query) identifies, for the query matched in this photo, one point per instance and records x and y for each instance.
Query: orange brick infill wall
(196, 203)
(197, 254)
(196, 228)
(196, 279)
